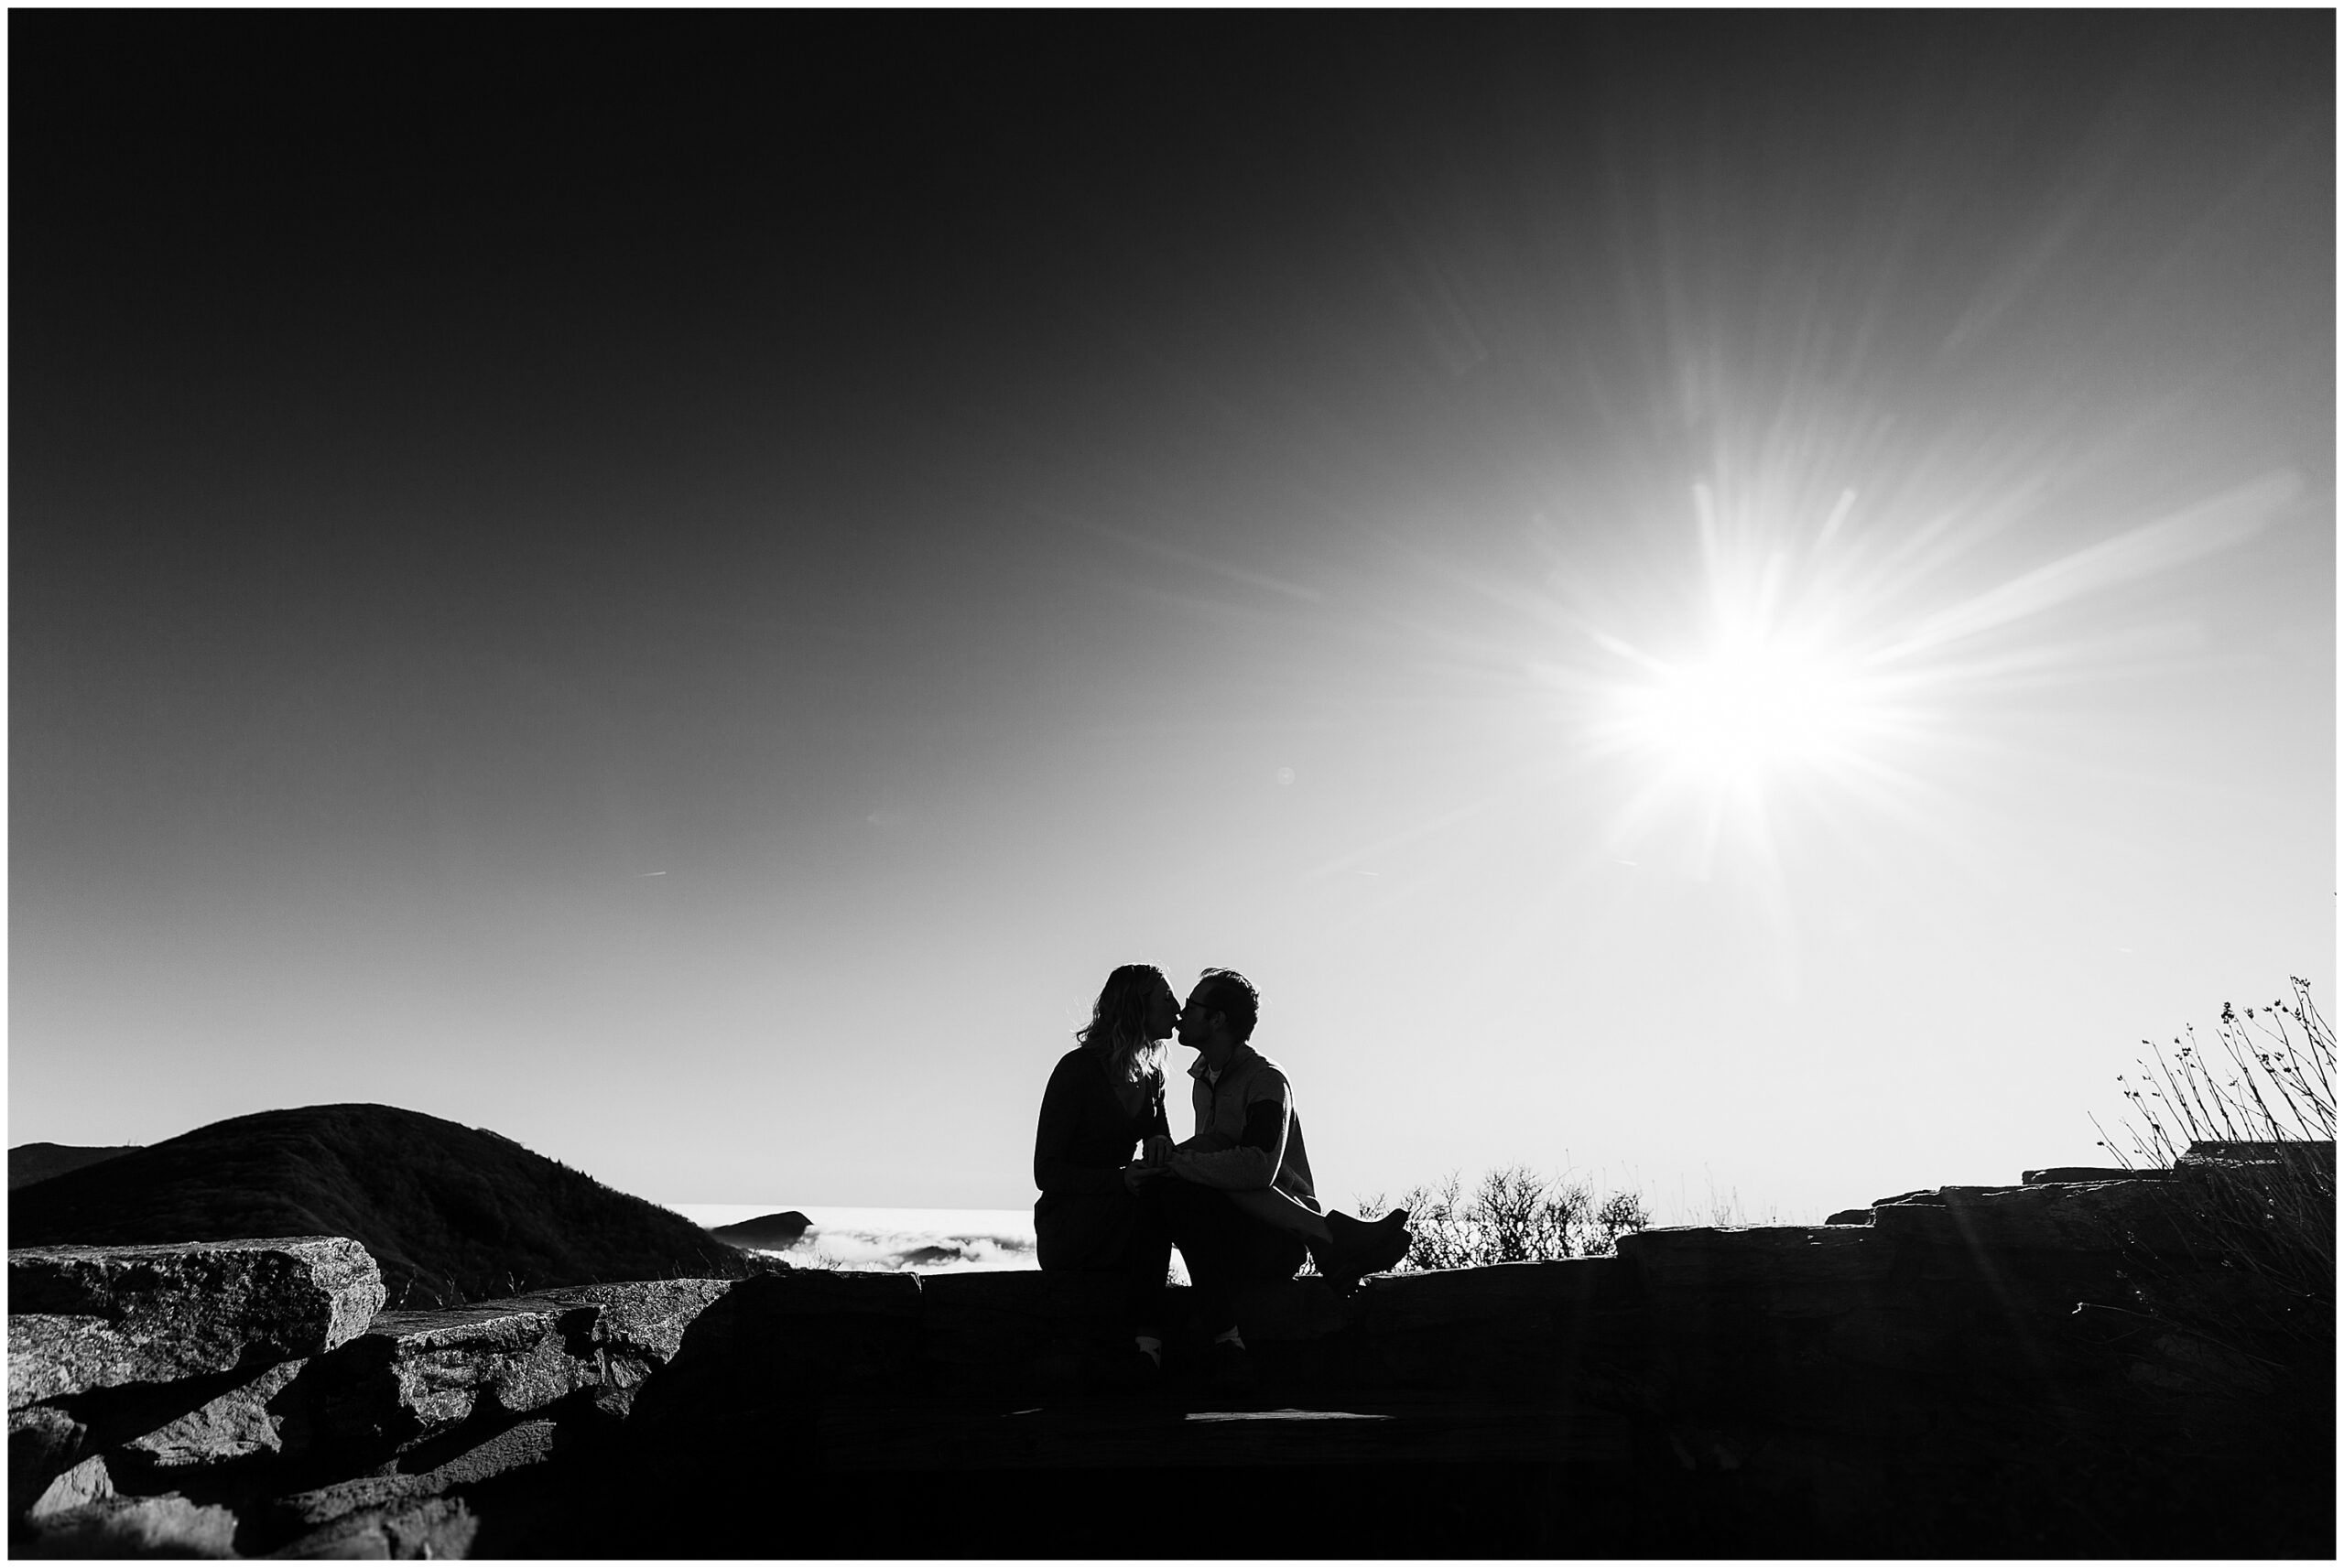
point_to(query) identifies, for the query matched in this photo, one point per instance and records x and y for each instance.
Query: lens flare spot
(1748, 709)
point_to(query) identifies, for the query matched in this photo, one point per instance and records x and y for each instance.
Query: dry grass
(2247, 1131)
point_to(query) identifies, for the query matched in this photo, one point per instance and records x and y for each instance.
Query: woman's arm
(1054, 1138)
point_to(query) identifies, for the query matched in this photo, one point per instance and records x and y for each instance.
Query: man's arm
(1254, 1159)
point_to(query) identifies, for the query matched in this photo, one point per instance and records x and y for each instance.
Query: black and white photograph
(1132, 784)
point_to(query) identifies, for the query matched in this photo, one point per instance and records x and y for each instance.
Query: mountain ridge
(452, 1212)
(30, 1163)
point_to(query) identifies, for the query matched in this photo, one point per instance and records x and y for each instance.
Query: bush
(1513, 1215)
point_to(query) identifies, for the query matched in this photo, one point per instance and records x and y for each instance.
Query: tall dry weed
(2245, 1134)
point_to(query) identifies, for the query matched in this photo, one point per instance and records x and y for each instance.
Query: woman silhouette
(1105, 1099)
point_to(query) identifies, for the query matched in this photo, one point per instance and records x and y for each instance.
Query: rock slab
(97, 1317)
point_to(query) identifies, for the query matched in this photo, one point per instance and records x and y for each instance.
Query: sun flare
(1747, 708)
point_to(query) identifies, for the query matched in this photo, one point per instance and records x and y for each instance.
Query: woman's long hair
(1118, 1026)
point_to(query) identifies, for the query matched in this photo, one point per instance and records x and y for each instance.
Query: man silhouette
(1237, 1198)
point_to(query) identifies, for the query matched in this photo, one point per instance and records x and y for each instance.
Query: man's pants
(1222, 1247)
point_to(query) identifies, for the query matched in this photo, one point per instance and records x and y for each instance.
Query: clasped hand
(1155, 1157)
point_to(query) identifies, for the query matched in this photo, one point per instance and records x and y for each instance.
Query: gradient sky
(1739, 604)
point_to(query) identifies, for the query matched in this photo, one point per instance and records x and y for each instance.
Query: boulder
(1744, 1319)
(1510, 1331)
(86, 1482)
(1790, 1268)
(415, 1374)
(400, 1530)
(303, 1512)
(95, 1317)
(43, 1441)
(165, 1525)
(432, 1368)
(2047, 1216)
(514, 1448)
(151, 1432)
(230, 1425)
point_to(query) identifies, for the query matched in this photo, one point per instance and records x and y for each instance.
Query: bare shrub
(1514, 1215)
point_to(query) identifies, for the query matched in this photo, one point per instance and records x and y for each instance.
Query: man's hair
(1232, 996)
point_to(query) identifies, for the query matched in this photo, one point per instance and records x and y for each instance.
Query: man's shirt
(1247, 1133)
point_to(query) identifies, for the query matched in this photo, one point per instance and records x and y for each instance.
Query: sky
(1740, 606)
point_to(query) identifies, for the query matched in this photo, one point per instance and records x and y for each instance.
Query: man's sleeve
(1253, 1160)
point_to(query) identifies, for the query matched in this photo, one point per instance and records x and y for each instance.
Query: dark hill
(452, 1214)
(30, 1163)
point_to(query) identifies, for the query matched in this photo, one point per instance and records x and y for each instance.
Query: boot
(1359, 1246)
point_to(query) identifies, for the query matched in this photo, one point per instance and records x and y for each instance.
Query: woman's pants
(1223, 1247)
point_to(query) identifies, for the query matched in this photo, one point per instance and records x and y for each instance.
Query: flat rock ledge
(98, 1317)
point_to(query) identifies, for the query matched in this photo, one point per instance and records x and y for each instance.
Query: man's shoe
(1362, 1248)
(1230, 1369)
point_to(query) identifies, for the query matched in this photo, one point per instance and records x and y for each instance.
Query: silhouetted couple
(1118, 1193)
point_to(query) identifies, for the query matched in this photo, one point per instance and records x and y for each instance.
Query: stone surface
(229, 1426)
(92, 1317)
(1514, 1331)
(166, 1526)
(43, 1441)
(415, 1374)
(517, 1447)
(2317, 1154)
(1838, 1377)
(1792, 1269)
(85, 1482)
(637, 1326)
(2087, 1173)
(1850, 1216)
(440, 1362)
(2053, 1217)
(1457, 1297)
(323, 1505)
(402, 1529)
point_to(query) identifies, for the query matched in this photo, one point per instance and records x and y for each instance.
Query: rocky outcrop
(258, 1384)
(97, 1317)
(1973, 1371)
(164, 1526)
(771, 1232)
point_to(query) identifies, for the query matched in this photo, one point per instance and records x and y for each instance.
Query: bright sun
(1749, 709)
